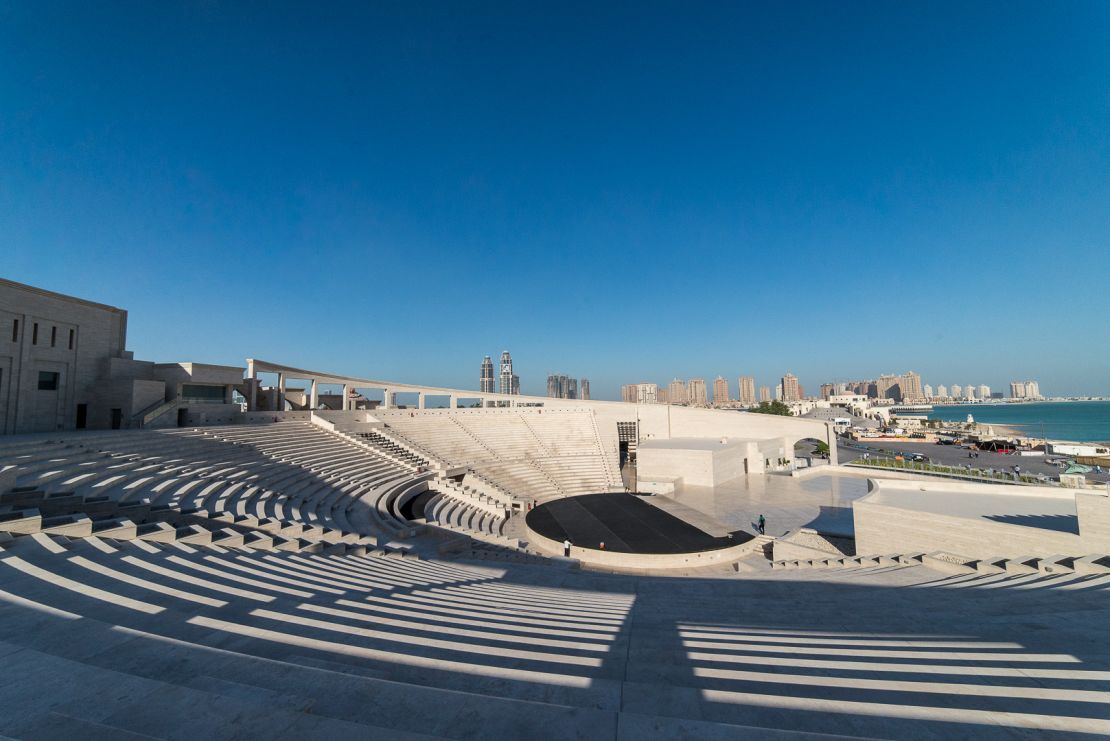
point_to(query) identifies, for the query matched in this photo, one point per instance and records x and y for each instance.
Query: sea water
(1080, 421)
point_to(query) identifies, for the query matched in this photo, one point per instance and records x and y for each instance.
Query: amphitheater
(372, 574)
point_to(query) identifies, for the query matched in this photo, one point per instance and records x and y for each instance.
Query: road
(951, 455)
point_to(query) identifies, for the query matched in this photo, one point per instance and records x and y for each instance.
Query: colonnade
(312, 393)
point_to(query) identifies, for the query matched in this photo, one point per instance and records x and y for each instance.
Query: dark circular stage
(625, 523)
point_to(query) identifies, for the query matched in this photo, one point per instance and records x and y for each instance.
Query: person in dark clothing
(762, 525)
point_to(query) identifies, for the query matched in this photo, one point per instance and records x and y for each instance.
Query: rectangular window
(53, 336)
(71, 339)
(198, 392)
(35, 334)
(15, 331)
(48, 381)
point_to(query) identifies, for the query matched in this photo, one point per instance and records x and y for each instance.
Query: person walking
(566, 548)
(762, 525)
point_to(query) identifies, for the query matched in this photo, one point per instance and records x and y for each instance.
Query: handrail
(154, 411)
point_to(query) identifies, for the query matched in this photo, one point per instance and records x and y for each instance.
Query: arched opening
(810, 452)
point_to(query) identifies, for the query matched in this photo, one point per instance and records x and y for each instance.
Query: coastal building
(927, 390)
(909, 387)
(640, 393)
(790, 390)
(676, 392)
(485, 379)
(720, 390)
(584, 389)
(1032, 390)
(942, 392)
(764, 394)
(661, 394)
(957, 391)
(696, 393)
(1017, 389)
(969, 392)
(827, 390)
(747, 390)
(887, 387)
(778, 391)
(984, 391)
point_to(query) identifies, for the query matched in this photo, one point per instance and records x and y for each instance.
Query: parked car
(920, 458)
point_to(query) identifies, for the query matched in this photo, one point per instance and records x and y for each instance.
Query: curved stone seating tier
(533, 454)
(459, 515)
(443, 436)
(389, 447)
(286, 471)
(138, 638)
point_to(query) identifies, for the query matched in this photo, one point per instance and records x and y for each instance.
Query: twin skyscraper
(507, 382)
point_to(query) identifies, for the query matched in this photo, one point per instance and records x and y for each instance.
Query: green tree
(772, 407)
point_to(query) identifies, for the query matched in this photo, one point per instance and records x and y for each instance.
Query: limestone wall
(99, 334)
(1094, 521)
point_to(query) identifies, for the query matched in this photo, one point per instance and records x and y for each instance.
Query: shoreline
(1079, 422)
(1015, 432)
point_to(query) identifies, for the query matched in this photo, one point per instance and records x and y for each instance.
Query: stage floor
(625, 523)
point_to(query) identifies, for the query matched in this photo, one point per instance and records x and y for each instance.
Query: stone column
(453, 403)
(385, 399)
(252, 387)
(420, 400)
(314, 395)
(281, 393)
(346, 397)
(830, 438)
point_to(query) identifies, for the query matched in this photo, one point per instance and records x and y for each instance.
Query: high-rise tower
(506, 380)
(790, 391)
(676, 394)
(696, 393)
(720, 390)
(485, 380)
(747, 391)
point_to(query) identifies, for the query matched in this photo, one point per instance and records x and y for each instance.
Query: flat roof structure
(980, 521)
(1053, 510)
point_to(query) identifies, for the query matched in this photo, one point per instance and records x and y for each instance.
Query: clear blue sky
(629, 192)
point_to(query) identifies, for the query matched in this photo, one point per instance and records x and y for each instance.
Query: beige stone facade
(64, 366)
(56, 355)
